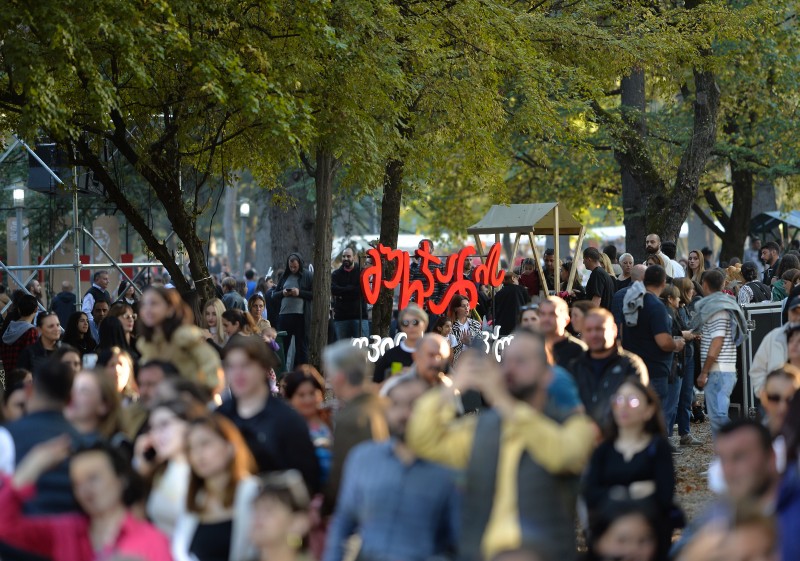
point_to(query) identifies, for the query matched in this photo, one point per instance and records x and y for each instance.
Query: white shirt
(167, 500)
(8, 452)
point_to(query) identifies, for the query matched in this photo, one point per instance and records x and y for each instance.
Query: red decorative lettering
(398, 264)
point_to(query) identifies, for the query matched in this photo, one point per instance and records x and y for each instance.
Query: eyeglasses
(407, 322)
(777, 398)
(631, 400)
(130, 316)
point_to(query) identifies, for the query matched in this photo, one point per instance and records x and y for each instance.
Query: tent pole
(516, 248)
(479, 246)
(556, 241)
(540, 266)
(574, 269)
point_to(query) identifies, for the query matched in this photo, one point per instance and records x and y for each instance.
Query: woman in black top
(221, 493)
(77, 333)
(635, 460)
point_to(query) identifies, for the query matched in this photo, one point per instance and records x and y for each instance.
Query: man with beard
(515, 457)
(652, 246)
(349, 308)
(401, 507)
(550, 276)
(35, 288)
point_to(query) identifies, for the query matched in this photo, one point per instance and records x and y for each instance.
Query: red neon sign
(451, 274)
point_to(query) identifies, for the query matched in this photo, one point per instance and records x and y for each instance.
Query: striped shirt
(719, 325)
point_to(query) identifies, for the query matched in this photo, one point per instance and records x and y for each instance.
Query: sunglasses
(777, 398)
(632, 401)
(130, 316)
(407, 322)
(529, 307)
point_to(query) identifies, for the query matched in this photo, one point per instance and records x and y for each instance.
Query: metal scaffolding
(75, 231)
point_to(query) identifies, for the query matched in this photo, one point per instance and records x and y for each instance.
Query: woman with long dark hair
(256, 306)
(77, 333)
(237, 322)
(127, 317)
(168, 333)
(634, 462)
(160, 456)
(126, 294)
(222, 487)
(112, 334)
(465, 329)
(304, 389)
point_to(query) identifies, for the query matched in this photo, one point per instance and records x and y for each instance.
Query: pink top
(65, 537)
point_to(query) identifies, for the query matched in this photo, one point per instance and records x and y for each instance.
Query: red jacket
(531, 282)
(9, 353)
(65, 537)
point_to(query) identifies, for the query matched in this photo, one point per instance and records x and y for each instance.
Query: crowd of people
(156, 427)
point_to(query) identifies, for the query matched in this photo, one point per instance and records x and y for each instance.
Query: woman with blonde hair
(211, 322)
(605, 263)
(95, 405)
(695, 267)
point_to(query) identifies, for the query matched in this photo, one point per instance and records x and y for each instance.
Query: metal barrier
(761, 318)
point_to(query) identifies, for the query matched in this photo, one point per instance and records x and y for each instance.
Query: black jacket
(63, 304)
(279, 439)
(348, 302)
(507, 304)
(31, 357)
(596, 392)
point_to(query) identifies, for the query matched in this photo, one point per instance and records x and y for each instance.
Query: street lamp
(244, 214)
(19, 205)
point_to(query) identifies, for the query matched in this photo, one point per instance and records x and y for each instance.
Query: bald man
(652, 246)
(431, 361)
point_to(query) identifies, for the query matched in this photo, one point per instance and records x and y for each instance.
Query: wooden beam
(574, 268)
(556, 278)
(479, 246)
(539, 264)
(516, 248)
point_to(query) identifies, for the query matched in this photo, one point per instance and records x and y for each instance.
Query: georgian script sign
(377, 346)
(450, 273)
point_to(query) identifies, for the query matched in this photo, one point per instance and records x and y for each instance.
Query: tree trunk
(633, 199)
(324, 175)
(293, 228)
(182, 224)
(262, 260)
(738, 224)
(229, 228)
(666, 208)
(390, 229)
(667, 211)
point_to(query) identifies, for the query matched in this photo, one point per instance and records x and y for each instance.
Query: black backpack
(761, 292)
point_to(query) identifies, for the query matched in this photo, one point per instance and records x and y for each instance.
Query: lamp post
(19, 205)
(244, 214)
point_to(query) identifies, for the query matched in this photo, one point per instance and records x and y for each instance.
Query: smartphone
(89, 361)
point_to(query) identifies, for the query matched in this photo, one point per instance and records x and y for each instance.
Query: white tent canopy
(531, 220)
